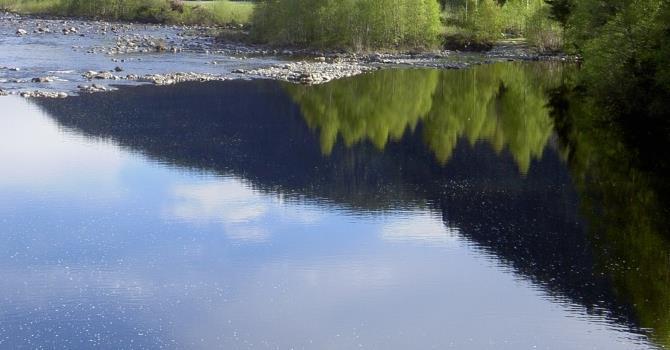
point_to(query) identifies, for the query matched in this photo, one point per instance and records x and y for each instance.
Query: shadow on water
(536, 185)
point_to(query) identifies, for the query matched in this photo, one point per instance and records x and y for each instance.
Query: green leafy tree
(352, 24)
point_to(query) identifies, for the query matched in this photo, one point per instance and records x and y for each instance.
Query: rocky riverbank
(56, 58)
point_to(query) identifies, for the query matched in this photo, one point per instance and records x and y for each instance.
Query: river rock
(21, 32)
(102, 75)
(311, 72)
(174, 78)
(70, 30)
(42, 80)
(91, 88)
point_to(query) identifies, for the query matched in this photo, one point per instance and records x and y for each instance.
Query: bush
(474, 22)
(480, 23)
(543, 32)
(357, 24)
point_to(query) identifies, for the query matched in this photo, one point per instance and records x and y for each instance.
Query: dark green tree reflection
(502, 104)
(624, 191)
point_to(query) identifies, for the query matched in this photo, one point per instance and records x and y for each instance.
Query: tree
(560, 9)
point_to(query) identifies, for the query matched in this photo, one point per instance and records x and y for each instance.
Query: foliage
(560, 9)
(543, 32)
(487, 21)
(625, 50)
(358, 24)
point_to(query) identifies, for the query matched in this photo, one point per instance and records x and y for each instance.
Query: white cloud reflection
(239, 209)
(422, 228)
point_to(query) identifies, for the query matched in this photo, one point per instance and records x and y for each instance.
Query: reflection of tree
(375, 107)
(503, 104)
(626, 201)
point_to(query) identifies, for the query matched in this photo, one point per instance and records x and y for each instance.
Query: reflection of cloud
(302, 214)
(34, 153)
(420, 228)
(247, 233)
(238, 208)
(227, 202)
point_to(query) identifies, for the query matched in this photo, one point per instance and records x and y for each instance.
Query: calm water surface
(409, 209)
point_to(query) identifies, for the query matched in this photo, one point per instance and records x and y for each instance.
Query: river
(400, 209)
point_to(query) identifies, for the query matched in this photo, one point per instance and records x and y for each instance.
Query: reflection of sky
(102, 247)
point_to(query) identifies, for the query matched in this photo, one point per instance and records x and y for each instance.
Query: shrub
(358, 24)
(543, 32)
(474, 22)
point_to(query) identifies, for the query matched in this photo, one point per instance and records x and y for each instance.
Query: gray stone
(42, 80)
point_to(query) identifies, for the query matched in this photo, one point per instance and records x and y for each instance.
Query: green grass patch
(220, 12)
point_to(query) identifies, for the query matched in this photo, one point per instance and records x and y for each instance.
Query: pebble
(311, 72)
(174, 78)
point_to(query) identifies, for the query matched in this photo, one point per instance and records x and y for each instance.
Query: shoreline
(124, 42)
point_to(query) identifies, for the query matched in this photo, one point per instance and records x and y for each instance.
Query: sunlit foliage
(358, 24)
(487, 21)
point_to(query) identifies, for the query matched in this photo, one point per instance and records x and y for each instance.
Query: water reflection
(502, 104)
(622, 179)
(401, 231)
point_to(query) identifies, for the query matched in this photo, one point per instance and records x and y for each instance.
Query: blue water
(188, 217)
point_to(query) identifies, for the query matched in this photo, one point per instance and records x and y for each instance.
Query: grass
(224, 11)
(29, 6)
(219, 12)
